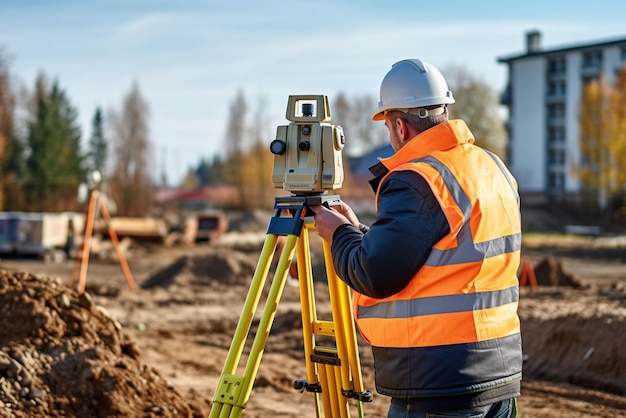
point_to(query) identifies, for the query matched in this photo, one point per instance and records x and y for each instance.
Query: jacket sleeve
(408, 223)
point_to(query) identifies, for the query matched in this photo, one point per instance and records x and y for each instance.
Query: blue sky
(191, 57)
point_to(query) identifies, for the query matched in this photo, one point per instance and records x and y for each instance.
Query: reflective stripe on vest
(468, 251)
(441, 304)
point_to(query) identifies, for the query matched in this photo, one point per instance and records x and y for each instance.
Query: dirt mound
(63, 356)
(574, 337)
(550, 272)
(218, 265)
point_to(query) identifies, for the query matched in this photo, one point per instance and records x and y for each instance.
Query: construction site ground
(158, 350)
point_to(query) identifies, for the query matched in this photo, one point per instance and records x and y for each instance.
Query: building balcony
(553, 98)
(591, 71)
(556, 75)
(554, 121)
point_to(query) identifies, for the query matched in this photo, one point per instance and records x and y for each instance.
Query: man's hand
(328, 220)
(347, 211)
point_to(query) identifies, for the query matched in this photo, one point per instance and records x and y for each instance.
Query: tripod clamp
(303, 385)
(304, 201)
(365, 396)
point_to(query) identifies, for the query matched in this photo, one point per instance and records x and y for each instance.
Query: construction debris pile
(61, 355)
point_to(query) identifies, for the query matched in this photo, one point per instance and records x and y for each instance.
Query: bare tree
(131, 185)
(355, 117)
(235, 144)
(260, 160)
(478, 105)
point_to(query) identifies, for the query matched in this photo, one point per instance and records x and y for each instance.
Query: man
(434, 277)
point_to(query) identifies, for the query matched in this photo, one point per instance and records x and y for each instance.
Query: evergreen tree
(54, 165)
(14, 169)
(98, 146)
(202, 172)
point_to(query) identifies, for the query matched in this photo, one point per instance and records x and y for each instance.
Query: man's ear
(404, 129)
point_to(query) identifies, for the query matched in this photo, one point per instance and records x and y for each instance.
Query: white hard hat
(410, 84)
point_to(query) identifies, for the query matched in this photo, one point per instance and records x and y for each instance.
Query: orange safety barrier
(527, 273)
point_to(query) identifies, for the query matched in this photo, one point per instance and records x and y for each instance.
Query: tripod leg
(229, 401)
(342, 401)
(334, 370)
(342, 310)
(336, 306)
(82, 256)
(120, 254)
(328, 368)
(220, 408)
(307, 303)
(329, 402)
(342, 305)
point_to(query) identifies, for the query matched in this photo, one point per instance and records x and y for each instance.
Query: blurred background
(175, 103)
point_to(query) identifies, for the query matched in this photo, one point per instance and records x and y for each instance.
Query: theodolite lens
(307, 109)
(278, 147)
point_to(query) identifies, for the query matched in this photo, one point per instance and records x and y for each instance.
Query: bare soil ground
(159, 350)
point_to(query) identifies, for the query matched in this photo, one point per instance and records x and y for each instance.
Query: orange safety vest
(467, 291)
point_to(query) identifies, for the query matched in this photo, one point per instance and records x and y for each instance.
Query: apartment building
(543, 96)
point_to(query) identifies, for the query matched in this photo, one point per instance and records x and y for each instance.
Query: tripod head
(92, 182)
(94, 179)
(307, 152)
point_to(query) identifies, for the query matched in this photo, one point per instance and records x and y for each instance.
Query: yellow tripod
(333, 372)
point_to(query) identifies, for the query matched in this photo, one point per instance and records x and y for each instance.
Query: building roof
(200, 194)
(371, 158)
(563, 49)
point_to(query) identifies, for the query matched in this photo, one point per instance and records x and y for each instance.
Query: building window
(556, 181)
(556, 110)
(592, 60)
(556, 66)
(623, 53)
(556, 88)
(556, 156)
(556, 134)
